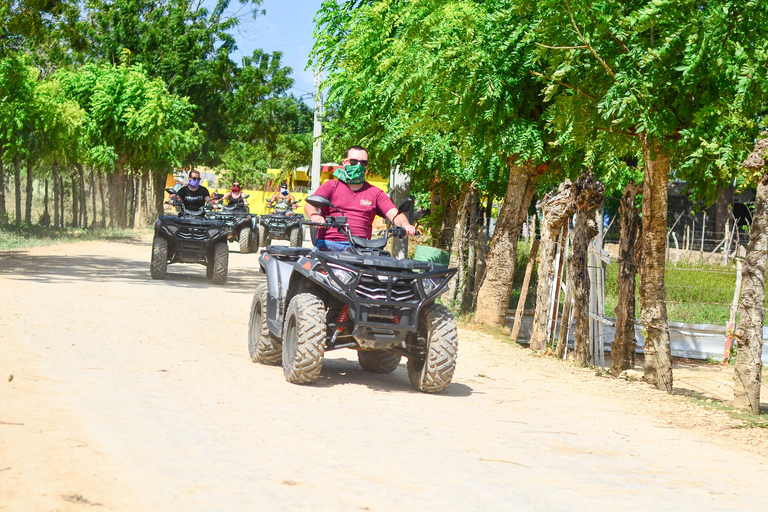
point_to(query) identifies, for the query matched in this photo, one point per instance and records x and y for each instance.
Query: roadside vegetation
(14, 236)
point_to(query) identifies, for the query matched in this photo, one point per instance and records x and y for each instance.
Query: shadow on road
(24, 266)
(343, 371)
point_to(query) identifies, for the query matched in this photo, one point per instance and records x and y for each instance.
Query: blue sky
(286, 27)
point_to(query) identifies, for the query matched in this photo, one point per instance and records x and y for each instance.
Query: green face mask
(351, 174)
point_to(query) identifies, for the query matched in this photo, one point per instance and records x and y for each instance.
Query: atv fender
(278, 282)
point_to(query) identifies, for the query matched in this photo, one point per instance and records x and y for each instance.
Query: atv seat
(282, 250)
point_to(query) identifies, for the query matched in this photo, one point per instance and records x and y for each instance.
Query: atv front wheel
(159, 263)
(220, 263)
(433, 371)
(304, 339)
(262, 346)
(245, 240)
(263, 235)
(378, 361)
(255, 241)
(294, 237)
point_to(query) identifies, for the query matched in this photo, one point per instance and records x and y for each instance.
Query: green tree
(659, 74)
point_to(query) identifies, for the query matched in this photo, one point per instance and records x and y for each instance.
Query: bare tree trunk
(159, 187)
(459, 282)
(588, 195)
(494, 294)
(28, 204)
(472, 251)
(93, 195)
(75, 205)
(482, 253)
(623, 346)
(55, 185)
(103, 202)
(747, 373)
(46, 221)
(83, 198)
(2, 193)
(565, 322)
(520, 310)
(17, 187)
(557, 210)
(450, 209)
(62, 196)
(658, 357)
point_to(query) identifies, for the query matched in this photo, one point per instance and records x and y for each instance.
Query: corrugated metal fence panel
(692, 341)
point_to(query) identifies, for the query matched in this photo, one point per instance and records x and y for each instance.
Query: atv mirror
(421, 213)
(318, 201)
(170, 191)
(406, 205)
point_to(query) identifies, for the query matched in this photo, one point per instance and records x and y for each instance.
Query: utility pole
(317, 146)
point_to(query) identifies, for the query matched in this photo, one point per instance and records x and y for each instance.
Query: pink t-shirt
(360, 207)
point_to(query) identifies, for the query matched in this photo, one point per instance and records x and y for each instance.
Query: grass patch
(747, 419)
(24, 235)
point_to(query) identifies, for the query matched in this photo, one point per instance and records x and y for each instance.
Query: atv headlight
(343, 275)
(431, 284)
(213, 232)
(173, 229)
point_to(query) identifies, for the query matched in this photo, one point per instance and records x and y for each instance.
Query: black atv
(282, 224)
(242, 226)
(361, 298)
(190, 237)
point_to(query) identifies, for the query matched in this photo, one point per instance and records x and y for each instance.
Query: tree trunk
(103, 202)
(93, 195)
(30, 182)
(624, 342)
(159, 188)
(588, 196)
(2, 193)
(557, 210)
(493, 297)
(55, 195)
(472, 251)
(83, 198)
(46, 216)
(658, 358)
(565, 321)
(75, 203)
(722, 210)
(520, 310)
(482, 253)
(62, 196)
(17, 187)
(450, 208)
(749, 333)
(459, 282)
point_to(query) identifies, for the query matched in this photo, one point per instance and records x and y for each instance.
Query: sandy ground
(134, 394)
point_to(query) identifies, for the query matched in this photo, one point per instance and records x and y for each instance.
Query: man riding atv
(358, 199)
(282, 196)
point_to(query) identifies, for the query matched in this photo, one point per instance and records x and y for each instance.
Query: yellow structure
(257, 199)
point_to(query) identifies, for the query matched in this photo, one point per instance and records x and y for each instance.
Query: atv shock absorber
(343, 318)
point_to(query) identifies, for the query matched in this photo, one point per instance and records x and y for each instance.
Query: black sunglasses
(354, 161)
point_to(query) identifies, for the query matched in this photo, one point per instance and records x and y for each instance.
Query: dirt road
(132, 394)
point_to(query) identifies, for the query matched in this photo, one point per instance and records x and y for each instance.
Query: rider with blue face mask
(193, 195)
(283, 196)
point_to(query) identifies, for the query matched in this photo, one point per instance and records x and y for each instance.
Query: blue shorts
(330, 245)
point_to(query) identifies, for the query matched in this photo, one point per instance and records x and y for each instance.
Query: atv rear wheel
(433, 371)
(378, 361)
(159, 263)
(294, 237)
(304, 339)
(245, 240)
(220, 263)
(262, 346)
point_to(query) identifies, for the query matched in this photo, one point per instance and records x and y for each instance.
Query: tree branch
(561, 47)
(563, 84)
(583, 39)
